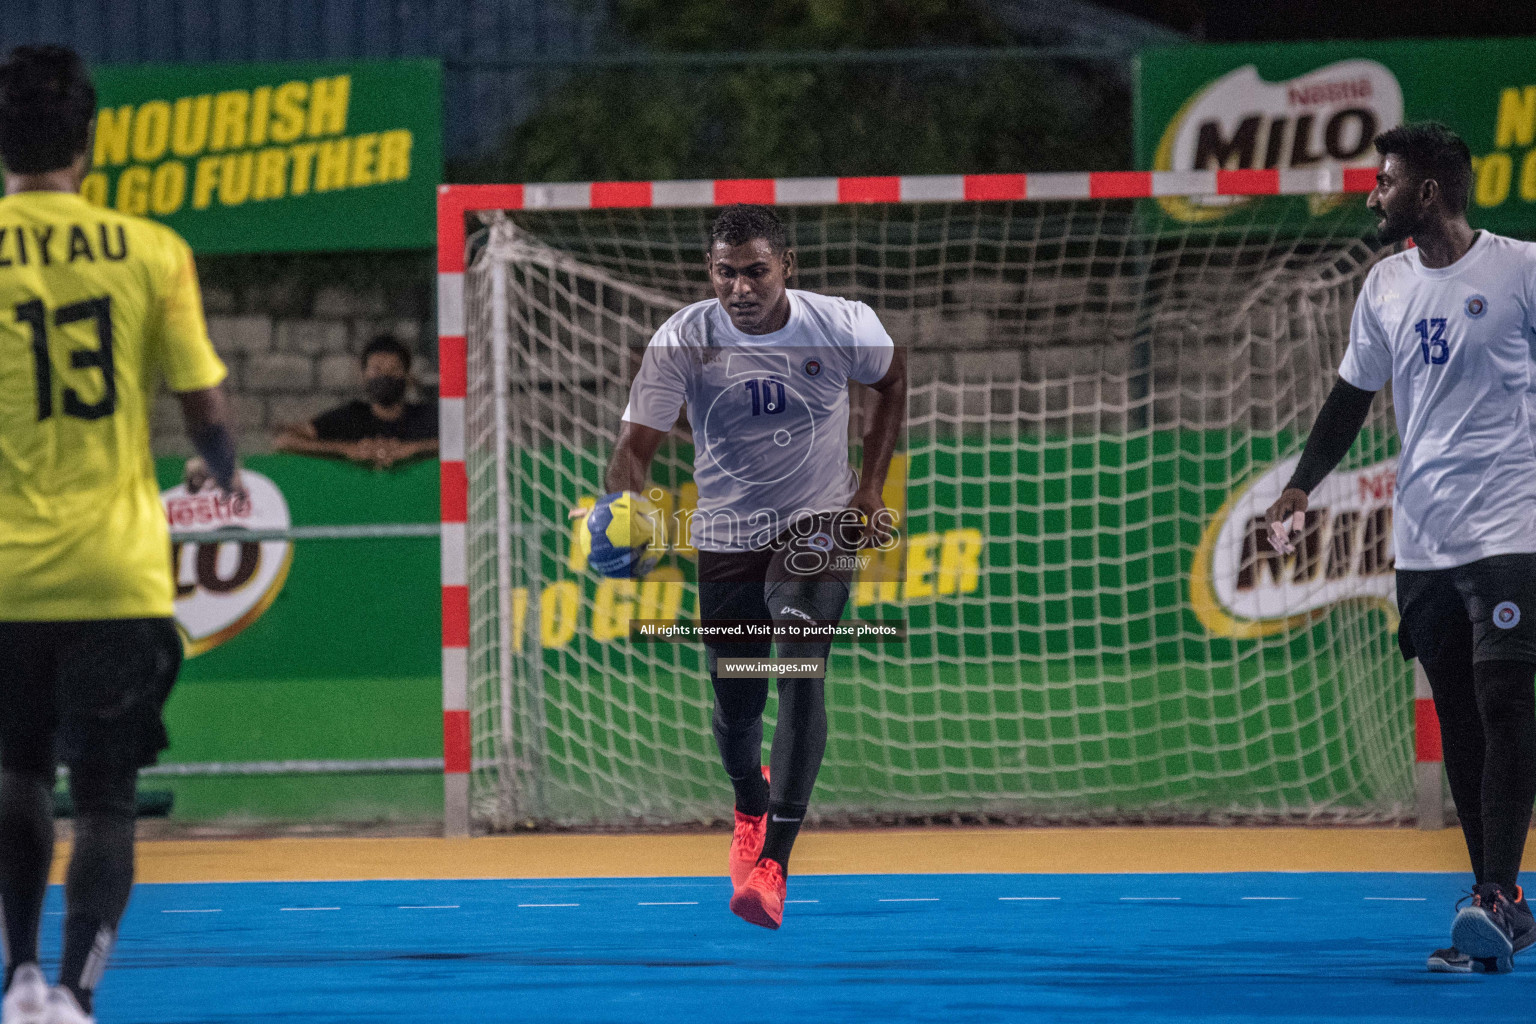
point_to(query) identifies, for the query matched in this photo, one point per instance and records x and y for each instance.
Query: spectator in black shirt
(382, 431)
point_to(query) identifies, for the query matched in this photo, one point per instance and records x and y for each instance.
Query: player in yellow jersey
(96, 310)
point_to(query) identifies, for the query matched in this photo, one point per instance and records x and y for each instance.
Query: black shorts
(89, 694)
(808, 569)
(1485, 609)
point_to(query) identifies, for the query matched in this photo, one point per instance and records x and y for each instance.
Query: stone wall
(294, 352)
(1246, 348)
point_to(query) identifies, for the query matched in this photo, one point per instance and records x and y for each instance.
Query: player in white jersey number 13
(1451, 323)
(764, 372)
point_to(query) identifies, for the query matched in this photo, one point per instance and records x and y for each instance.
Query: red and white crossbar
(454, 202)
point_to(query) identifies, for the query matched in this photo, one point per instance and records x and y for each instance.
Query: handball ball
(623, 538)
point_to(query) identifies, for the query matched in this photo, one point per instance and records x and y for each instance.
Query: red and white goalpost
(1104, 329)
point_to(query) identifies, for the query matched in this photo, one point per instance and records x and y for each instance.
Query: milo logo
(224, 586)
(1241, 587)
(1325, 118)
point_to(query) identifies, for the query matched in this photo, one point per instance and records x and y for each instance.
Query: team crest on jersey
(1506, 615)
(812, 367)
(821, 541)
(1476, 307)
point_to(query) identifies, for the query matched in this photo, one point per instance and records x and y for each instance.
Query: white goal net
(1100, 398)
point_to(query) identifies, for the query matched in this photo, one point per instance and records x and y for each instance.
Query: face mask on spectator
(385, 389)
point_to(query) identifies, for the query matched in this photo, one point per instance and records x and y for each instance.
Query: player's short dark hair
(388, 343)
(742, 223)
(1431, 150)
(47, 102)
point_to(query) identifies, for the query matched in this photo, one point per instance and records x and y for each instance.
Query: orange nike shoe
(761, 900)
(747, 843)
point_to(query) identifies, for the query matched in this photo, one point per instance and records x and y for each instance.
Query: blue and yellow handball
(623, 538)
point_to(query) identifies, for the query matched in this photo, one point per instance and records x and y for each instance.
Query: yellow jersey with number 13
(96, 310)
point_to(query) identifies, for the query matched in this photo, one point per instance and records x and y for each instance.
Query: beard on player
(1403, 202)
(1395, 226)
(1399, 216)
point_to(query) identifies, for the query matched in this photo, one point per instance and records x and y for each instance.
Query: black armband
(1337, 426)
(216, 445)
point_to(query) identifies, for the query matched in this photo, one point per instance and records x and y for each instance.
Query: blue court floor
(1121, 949)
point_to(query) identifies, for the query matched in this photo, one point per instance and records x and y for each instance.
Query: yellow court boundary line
(886, 851)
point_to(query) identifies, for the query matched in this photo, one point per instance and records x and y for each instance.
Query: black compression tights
(100, 875)
(799, 741)
(26, 847)
(100, 869)
(1488, 733)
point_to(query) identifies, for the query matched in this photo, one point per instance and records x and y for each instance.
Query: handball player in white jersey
(764, 372)
(1451, 323)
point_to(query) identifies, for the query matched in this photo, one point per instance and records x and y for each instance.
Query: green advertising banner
(338, 656)
(274, 157)
(1309, 106)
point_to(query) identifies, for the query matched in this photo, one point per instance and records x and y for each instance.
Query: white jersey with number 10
(769, 411)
